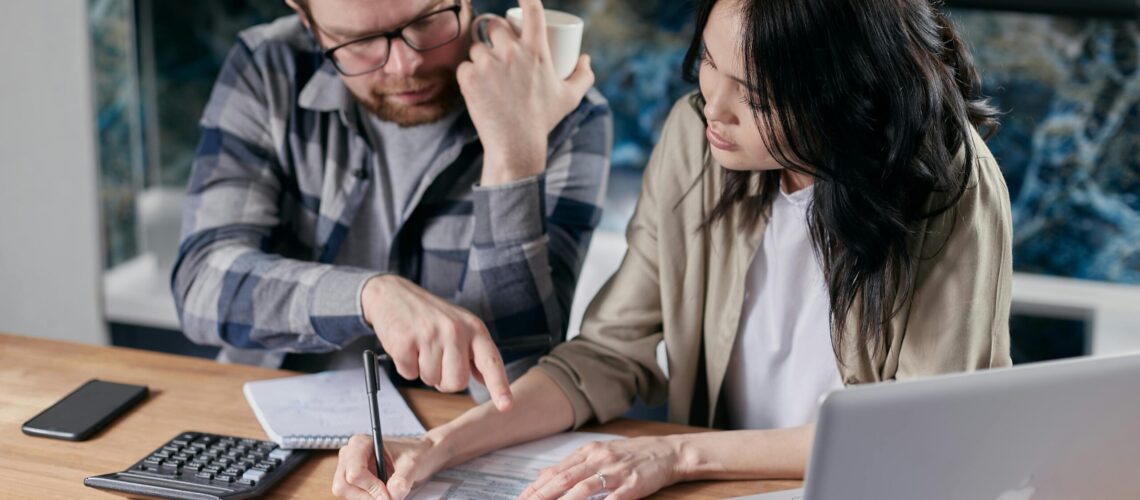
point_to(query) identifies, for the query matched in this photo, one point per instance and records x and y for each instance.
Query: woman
(808, 220)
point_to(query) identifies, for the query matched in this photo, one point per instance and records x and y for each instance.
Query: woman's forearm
(539, 409)
(762, 454)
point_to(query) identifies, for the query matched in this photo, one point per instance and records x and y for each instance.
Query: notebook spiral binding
(311, 441)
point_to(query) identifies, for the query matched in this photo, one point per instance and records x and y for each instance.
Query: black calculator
(197, 465)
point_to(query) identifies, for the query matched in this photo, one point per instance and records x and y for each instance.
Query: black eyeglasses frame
(389, 36)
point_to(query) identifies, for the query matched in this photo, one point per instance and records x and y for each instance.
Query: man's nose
(402, 59)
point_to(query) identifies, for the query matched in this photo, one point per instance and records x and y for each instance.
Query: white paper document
(505, 473)
(325, 409)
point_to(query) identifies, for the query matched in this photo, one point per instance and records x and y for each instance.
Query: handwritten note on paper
(325, 409)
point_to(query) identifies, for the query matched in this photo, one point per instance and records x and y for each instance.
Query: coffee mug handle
(479, 33)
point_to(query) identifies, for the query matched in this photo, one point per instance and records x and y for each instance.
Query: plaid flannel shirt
(283, 167)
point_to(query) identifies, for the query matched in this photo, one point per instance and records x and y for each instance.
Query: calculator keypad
(216, 460)
(198, 465)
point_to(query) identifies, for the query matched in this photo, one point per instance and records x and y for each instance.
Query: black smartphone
(82, 413)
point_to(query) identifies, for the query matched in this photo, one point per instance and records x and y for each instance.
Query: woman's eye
(706, 60)
(746, 95)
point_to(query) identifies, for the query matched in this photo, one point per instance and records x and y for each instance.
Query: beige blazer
(686, 286)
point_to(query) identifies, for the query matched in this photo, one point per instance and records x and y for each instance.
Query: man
(360, 180)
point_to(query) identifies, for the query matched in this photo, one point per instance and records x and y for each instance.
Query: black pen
(373, 387)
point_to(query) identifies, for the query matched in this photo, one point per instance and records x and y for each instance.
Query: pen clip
(371, 364)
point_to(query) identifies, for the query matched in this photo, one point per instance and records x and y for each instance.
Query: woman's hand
(632, 468)
(514, 96)
(409, 462)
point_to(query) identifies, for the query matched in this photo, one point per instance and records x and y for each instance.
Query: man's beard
(446, 100)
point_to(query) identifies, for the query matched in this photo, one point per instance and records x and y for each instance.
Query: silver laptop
(1060, 430)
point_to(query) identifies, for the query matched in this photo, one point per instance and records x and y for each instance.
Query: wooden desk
(192, 394)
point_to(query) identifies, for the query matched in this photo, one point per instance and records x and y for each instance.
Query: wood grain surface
(189, 394)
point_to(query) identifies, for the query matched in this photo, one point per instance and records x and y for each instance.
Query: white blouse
(782, 361)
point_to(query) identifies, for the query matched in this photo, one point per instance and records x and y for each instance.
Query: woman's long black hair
(874, 99)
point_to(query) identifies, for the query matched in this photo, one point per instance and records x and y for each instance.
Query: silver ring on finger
(601, 479)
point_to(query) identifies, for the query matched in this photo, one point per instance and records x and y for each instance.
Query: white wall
(50, 248)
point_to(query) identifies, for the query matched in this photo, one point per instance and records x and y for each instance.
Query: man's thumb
(582, 78)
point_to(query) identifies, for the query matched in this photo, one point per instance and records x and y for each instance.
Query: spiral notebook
(324, 410)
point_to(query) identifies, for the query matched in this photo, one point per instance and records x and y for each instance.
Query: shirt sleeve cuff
(582, 410)
(335, 310)
(510, 213)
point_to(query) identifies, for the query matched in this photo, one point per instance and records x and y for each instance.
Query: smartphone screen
(86, 410)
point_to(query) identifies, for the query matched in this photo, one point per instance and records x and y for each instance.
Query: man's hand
(431, 339)
(514, 96)
(409, 461)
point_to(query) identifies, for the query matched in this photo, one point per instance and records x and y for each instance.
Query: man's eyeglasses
(364, 55)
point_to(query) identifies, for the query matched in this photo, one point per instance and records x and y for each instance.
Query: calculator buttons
(196, 465)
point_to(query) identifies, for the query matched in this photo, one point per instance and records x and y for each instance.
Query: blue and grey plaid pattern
(283, 167)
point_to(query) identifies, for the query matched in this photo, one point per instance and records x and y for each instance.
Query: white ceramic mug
(563, 33)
